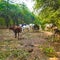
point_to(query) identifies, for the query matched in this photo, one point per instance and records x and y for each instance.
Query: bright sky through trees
(29, 3)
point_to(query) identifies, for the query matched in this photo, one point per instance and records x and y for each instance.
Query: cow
(16, 29)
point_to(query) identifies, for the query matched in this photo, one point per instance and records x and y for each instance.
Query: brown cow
(16, 30)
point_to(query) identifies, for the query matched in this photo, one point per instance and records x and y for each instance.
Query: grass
(4, 55)
(9, 48)
(22, 54)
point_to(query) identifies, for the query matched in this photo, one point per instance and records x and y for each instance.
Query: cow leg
(15, 34)
(22, 29)
(18, 36)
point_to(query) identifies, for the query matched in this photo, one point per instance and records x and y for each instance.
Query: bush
(50, 52)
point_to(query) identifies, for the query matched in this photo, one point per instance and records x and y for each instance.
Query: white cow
(47, 26)
(24, 27)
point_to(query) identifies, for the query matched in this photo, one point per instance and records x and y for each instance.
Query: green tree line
(14, 14)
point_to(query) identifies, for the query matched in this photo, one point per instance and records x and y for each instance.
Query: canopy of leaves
(14, 13)
(50, 12)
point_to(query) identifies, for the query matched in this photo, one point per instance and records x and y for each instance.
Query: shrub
(50, 52)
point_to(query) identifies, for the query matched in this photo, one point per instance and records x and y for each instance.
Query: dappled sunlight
(54, 58)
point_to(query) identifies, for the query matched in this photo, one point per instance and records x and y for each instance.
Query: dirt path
(28, 41)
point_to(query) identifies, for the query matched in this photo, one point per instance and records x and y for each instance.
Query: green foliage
(49, 11)
(49, 51)
(2, 21)
(15, 14)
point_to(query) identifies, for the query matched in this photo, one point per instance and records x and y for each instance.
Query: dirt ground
(31, 42)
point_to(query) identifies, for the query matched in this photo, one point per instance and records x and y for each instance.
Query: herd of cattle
(32, 27)
(23, 27)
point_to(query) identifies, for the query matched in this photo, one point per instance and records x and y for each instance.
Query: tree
(49, 12)
(15, 13)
